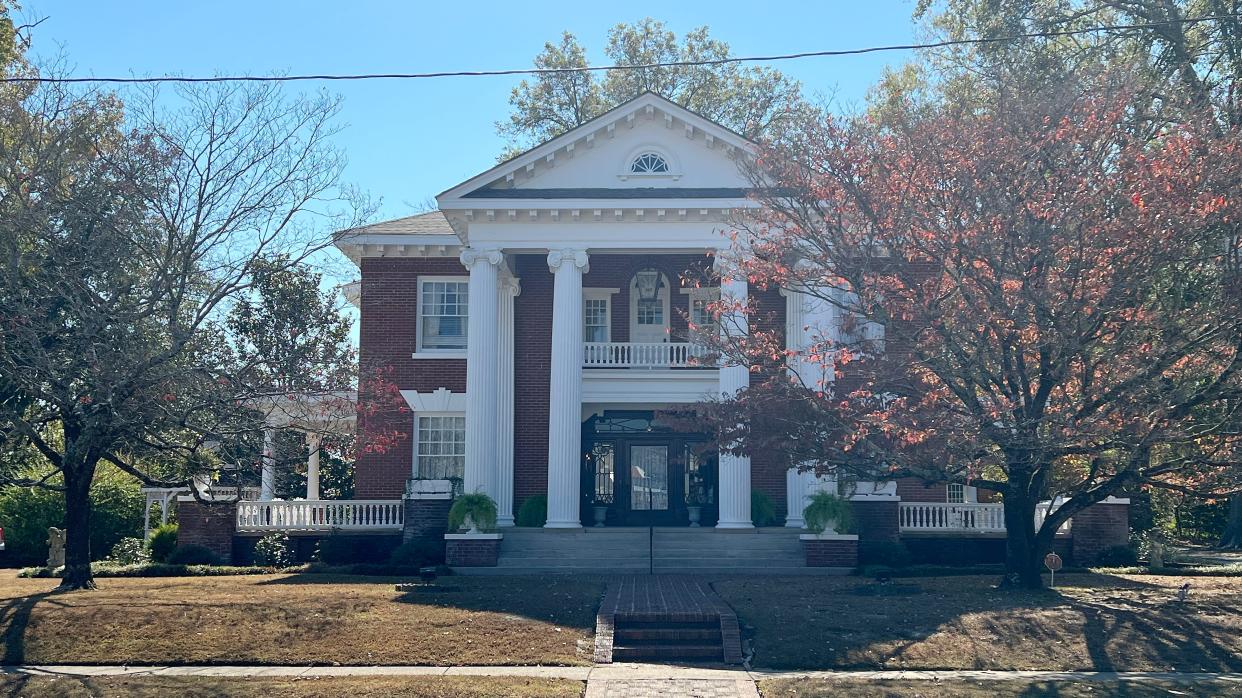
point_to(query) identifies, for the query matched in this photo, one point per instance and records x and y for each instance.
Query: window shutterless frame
(433, 305)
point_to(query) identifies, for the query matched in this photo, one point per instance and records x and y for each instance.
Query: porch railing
(321, 515)
(977, 518)
(645, 355)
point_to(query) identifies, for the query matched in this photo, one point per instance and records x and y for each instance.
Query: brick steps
(667, 640)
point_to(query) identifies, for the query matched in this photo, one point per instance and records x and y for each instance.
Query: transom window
(649, 163)
(442, 313)
(441, 451)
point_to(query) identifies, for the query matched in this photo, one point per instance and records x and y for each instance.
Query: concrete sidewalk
(613, 672)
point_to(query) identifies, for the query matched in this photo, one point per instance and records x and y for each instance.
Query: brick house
(538, 323)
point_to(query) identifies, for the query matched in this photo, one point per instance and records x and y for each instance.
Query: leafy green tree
(754, 101)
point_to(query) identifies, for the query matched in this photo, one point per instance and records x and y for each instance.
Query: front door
(650, 487)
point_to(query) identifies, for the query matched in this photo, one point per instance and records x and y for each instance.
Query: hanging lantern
(648, 283)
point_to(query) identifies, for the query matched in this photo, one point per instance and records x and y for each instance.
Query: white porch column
(808, 322)
(734, 469)
(481, 365)
(565, 391)
(509, 289)
(313, 443)
(267, 476)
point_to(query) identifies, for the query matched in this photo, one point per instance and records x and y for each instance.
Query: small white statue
(55, 547)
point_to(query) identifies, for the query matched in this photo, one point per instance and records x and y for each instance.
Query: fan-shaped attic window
(649, 163)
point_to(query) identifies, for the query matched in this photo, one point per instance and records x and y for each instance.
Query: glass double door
(650, 481)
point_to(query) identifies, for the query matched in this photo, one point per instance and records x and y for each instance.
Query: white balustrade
(645, 355)
(320, 515)
(977, 518)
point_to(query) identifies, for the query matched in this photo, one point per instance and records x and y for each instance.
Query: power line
(606, 68)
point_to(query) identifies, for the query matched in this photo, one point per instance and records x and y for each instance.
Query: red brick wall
(387, 338)
(1098, 528)
(912, 489)
(876, 520)
(471, 553)
(209, 525)
(767, 474)
(831, 553)
(532, 346)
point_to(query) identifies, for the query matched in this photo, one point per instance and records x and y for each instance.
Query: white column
(565, 391)
(509, 289)
(734, 469)
(313, 443)
(481, 364)
(267, 476)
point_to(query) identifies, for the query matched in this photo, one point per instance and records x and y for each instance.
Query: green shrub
(274, 550)
(128, 551)
(762, 510)
(534, 512)
(163, 542)
(26, 513)
(828, 510)
(417, 553)
(1118, 556)
(884, 553)
(477, 507)
(193, 555)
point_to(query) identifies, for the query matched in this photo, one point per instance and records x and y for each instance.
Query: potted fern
(473, 512)
(828, 512)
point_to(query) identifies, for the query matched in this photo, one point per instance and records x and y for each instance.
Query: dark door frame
(680, 447)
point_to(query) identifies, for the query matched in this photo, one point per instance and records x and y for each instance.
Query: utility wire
(606, 68)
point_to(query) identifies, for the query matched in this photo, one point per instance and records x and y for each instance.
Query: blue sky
(409, 140)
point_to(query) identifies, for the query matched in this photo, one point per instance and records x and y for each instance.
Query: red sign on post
(1053, 562)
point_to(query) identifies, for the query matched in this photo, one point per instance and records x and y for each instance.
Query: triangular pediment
(647, 148)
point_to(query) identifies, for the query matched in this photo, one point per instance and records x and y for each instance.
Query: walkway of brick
(664, 598)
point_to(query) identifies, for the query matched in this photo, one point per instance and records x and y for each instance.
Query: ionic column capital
(575, 256)
(471, 256)
(511, 286)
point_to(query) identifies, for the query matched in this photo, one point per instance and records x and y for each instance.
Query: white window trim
(601, 294)
(414, 436)
(701, 293)
(419, 351)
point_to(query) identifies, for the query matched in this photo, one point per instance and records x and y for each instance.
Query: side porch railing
(321, 515)
(976, 518)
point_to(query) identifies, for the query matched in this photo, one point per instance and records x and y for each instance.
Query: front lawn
(363, 687)
(1090, 622)
(299, 619)
(820, 688)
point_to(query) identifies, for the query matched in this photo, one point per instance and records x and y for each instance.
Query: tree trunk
(1232, 537)
(78, 479)
(1022, 552)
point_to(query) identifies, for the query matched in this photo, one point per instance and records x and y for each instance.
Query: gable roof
(648, 102)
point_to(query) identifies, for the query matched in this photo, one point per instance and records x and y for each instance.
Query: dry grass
(1091, 622)
(289, 619)
(819, 688)
(369, 687)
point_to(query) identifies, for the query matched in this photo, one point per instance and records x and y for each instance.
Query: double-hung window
(597, 314)
(956, 493)
(442, 313)
(441, 447)
(701, 316)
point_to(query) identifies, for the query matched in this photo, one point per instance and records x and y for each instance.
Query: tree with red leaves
(1061, 315)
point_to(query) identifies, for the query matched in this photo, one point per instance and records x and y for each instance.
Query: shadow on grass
(1092, 622)
(14, 618)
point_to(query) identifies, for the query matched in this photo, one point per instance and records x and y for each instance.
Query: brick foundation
(876, 519)
(831, 551)
(472, 549)
(1098, 528)
(209, 525)
(426, 520)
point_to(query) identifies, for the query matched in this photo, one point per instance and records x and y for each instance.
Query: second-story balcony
(650, 355)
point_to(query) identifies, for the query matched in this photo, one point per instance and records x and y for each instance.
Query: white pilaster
(565, 391)
(267, 475)
(481, 368)
(734, 469)
(509, 289)
(313, 443)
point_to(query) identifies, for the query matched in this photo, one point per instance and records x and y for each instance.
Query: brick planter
(210, 525)
(1099, 527)
(830, 550)
(875, 518)
(472, 549)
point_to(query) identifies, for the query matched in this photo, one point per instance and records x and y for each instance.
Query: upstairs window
(649, 163)
(956, 493)
(595, 321)
(442, 313)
